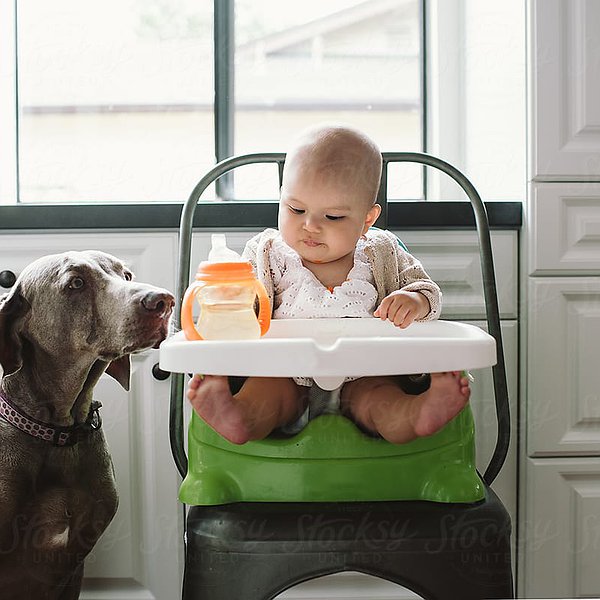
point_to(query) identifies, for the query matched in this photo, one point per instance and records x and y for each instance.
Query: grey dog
(69, 318)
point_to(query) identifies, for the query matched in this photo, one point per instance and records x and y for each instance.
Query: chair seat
(253, 551)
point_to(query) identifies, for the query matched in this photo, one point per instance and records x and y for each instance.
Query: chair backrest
(176, 428)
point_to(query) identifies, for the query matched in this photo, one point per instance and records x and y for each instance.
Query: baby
(325, 261)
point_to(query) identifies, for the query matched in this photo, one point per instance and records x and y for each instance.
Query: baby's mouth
(311, 243)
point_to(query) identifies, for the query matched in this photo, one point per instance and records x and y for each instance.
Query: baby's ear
(372, 216)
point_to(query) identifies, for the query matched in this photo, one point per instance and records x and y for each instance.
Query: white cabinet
(140, 554)
(563, 404)
(560, 473)
(562, 530)
(565, 90)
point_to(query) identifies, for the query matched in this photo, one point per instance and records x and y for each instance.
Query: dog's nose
(158, 302)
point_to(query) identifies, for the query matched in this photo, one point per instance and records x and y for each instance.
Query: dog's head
(81, 305)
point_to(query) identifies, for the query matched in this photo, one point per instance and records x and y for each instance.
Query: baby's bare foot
(447, 396)
(212, 400)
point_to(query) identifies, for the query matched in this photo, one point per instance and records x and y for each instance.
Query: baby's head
(330, 182)
(336, 156)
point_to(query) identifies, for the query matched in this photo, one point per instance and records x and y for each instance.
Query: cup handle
(187, 320)
(264, 308)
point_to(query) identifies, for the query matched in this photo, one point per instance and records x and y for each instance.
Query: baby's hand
(402, 308)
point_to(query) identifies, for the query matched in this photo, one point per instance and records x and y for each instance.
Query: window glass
(115, 99)
(343, 60)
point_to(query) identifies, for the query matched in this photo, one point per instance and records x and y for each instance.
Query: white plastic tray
(331, 349)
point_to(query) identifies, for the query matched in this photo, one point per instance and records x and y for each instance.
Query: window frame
(446, 118)
(224, 88)
(9, 101)
(441, 122)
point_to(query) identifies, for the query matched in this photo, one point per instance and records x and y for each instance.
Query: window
(115, 102)
(115, 99)
(321, 61)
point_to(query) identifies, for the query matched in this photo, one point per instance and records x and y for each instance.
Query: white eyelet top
(300, 295)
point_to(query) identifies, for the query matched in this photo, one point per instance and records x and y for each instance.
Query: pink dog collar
(58, 436)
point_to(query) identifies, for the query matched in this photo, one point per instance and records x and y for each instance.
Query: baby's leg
(261, 405)
(380, 406)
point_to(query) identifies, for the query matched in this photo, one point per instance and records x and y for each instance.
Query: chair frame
(176, 422)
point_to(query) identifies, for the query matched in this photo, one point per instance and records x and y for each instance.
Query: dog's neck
(65, 392)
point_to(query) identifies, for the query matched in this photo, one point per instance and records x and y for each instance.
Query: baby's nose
(311, 224)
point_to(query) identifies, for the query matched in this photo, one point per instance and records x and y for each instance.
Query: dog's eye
(76, 283)
(127, 275)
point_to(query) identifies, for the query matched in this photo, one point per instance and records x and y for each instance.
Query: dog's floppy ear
(13, 310)
(120, 369)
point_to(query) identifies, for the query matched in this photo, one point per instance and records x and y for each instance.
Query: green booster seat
(331, 460)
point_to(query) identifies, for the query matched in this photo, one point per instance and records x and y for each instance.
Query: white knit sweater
(393, 268)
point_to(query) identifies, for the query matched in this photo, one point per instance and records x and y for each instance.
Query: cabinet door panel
(565, 90)
(451, 258)
(563, 376)
(561, 529)
(564, 221)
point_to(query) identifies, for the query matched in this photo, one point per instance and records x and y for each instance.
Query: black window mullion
(224, 48)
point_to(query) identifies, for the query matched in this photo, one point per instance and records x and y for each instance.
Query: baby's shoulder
(383, 239)
(263, 237)
(261, 242)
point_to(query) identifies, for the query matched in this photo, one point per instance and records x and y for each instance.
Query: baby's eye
(334, 217)
(296, 211)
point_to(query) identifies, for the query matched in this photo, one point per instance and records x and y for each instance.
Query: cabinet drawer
(564, 229)
(563, 376)
(560, 528)
(149, 255)
(450, 257)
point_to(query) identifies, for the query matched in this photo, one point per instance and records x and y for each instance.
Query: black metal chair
(254, 551)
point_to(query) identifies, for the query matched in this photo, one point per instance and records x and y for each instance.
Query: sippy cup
(225, 289)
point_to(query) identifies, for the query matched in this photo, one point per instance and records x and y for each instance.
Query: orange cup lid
(225, 271)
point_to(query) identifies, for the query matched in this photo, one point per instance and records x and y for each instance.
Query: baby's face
(321, 220)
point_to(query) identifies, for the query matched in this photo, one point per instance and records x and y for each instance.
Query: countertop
(249, 215)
